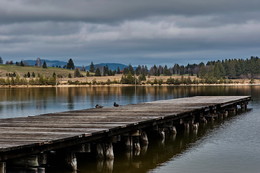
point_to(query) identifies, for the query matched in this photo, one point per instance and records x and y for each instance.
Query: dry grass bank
(21, 71)
(117, 78)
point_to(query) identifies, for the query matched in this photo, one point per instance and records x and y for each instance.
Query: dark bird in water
(98, 106)
(115, 104)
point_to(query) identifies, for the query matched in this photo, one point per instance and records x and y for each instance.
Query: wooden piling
(108, 150)
(100, 152)
(24, 136)
(128, 142)
(2, 167)
(71, 161)
(144, 138)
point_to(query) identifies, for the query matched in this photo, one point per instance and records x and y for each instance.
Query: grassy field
(4, 69)
(64, 73)
(118, 77)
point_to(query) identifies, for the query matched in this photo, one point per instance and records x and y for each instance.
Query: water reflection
(16, 102)
(158, 152)
(33, 101)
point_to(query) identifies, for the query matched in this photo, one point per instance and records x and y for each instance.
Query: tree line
(17, 80)
(225, 69)
(212, 70)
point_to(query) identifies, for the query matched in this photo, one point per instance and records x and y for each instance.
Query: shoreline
(123, 85)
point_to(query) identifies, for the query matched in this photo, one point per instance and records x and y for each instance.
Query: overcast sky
(129, 31)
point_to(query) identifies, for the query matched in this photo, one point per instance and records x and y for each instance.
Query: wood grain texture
(47, 128)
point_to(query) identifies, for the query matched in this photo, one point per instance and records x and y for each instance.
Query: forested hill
(230, 68)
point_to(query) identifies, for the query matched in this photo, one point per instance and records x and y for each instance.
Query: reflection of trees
(46, 98)
(70, 99)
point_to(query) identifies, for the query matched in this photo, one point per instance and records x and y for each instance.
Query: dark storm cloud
(116, 10)
(133, 31)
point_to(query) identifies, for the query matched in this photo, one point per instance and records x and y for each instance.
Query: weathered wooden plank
(33, 131)
(38, 131)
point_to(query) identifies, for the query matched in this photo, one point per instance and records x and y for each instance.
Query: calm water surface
(230, 146)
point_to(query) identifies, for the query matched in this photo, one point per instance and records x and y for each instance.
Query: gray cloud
(117, 10)
(147, 32)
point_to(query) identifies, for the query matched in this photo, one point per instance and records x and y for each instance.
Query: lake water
(230, 146)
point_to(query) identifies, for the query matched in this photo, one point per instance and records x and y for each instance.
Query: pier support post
(137, 147)
(100, 151)
(232, 110)
(243, 106)
(136, 142)
(221, 115)
(128, 142)
(225, 113)
(108, 150)
(213, 110)
(105, 151)
(2, 167)
(161, 133)
(202, 118)
(170, 128)
(186, 126)
(195, 126)
(132, 141)
(87, 148)
(144, 138)
(71, 161)
(173, 130)
(42, 159)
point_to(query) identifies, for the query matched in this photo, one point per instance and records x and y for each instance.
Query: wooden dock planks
(16, 133)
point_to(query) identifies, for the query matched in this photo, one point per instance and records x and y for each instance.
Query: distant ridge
(57, 63)
(50, 63)
(111, 66)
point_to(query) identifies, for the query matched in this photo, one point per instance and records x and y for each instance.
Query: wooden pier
(78, 131)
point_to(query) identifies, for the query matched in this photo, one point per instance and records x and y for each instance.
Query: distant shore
(122, 85)
(115, 81)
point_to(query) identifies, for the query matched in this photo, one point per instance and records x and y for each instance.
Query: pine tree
(118, 70)
(131, 69)
(44, 65)
(128, 79)
(106, 71)
(22, 63)
(1, 60)
(70, 65)
(219, 71)
(97, 73)
(77, 73)
(92, 67)
(138, 70)
(142, 77)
